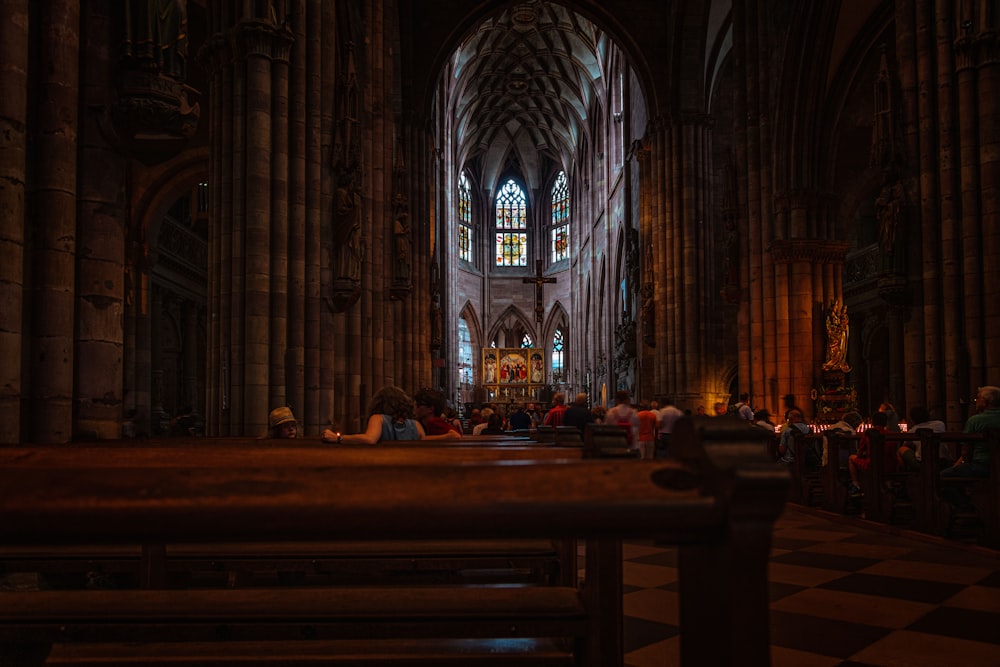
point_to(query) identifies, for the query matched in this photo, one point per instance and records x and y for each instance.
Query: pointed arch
(510, 319)
(469, 344)
(557, 327)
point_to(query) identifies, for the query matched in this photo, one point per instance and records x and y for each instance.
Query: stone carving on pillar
(348, 214)
(648, 306)
(890, 210)
(153, 116)
(437, 321)
(625, 352)
(886, 152)
(730, 240)
(402, 280)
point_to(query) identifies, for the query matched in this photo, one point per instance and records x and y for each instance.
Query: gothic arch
(468, 313)
(558, 319)
(160, 194)
(507, 321)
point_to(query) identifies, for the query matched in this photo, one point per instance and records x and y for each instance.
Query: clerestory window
(560, 219)
(511, 226)
(464, 218)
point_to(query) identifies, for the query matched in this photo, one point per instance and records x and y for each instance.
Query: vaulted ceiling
(524, 88)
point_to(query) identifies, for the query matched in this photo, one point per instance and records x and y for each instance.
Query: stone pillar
(988, 80)
(913, 333)
(13, 164)
(100, 246)
(55, 216)
(247, 282)
(157, 409)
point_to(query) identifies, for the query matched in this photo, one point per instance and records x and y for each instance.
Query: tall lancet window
(511, 216)
(464, 218)
(465, 376)
(557, 356)
(560, 219)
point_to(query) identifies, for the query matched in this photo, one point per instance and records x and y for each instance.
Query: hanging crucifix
(539, 280)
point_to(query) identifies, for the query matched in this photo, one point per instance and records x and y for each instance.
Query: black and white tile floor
(843, 592)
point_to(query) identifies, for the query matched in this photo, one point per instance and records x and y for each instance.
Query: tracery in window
(511, 214)
(557, 356)
(464, 218)
(526, 340)
(560, 219)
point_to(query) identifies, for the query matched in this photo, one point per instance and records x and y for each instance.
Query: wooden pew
(243, 564)
(891, 497)
(984, 493)
(719, 506)
(806, 487)
(834, 476)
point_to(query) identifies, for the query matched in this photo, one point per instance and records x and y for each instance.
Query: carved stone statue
(890, 209)
(401, 238)
(156, 36)
(348, 225)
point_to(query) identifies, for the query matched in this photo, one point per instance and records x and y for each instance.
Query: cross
(539, 280)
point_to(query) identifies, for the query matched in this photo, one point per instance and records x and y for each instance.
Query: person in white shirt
(743, 409)
(909, 455)
(669, 414)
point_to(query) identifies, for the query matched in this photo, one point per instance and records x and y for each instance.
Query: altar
(513, 375)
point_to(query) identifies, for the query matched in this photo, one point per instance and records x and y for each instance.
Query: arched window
(464, 354)
(557, 356)
(526, 340)
(560, 219)
(464, 218)
(511, 215)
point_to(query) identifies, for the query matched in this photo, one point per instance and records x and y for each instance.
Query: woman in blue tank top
(390, 417)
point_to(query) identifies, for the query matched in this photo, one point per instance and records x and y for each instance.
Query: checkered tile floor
(843, 592)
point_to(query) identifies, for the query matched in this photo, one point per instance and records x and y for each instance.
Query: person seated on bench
(908, 456)
(494, 426)
(848, 425)
(862, 459)
(281, 424)
(975, 458)
(390, 417)
(786, 446)
(428, 408)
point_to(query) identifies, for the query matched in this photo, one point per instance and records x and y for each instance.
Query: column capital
(262, 38)
(818, 251)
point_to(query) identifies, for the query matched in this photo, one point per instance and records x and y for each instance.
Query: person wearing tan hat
(281, 423)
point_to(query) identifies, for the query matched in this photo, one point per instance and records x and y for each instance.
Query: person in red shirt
(428, 408)
(648, 427)
(863, 459)
(554, 417)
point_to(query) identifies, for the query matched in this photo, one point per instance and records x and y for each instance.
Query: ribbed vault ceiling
(525, 85)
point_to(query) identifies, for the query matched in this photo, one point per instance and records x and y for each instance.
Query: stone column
(100, 245)
(988, 79)
(13, 165)
(55, 217)
(247, 283)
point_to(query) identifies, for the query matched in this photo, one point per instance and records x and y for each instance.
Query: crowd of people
(394, 415)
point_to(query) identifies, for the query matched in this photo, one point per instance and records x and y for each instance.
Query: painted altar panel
(516, 372)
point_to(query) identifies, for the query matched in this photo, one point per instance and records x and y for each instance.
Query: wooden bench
(806, 487)
(983, 492)
(469, 560)
(718, 506)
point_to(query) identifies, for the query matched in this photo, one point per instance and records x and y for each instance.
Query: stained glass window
(557, 355)
(511, 214)
(464, 218)
(526, 340)
(560, 219)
